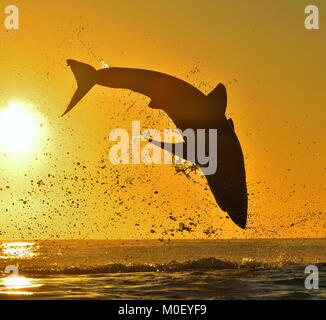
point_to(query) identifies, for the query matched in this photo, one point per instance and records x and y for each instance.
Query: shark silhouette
(188, 107)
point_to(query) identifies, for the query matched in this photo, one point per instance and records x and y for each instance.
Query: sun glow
(18, 127)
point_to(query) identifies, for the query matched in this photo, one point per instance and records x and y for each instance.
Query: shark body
(188, 107)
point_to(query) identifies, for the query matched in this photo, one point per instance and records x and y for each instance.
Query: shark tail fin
(86, 78)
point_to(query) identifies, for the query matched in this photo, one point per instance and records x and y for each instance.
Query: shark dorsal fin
(219, 97)
(231, 123)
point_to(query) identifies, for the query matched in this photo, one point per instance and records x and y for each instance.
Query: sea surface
(153, 269)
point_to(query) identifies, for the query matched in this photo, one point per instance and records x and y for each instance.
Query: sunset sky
(63, 186)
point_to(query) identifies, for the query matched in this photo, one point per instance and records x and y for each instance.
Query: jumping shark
(188, 107)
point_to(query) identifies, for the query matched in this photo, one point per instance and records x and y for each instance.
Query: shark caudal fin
(86, 78)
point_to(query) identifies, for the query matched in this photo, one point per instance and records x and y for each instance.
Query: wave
(201, 265)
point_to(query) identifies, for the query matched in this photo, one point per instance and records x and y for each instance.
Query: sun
(18, 127)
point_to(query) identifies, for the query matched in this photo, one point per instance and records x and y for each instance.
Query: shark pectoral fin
(154, 142)
(177, 149)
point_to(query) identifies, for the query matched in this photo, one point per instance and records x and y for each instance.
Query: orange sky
(274, 70)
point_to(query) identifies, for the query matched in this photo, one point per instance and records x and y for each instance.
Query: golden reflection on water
(14, 283)
(17, 285)
(18, 250)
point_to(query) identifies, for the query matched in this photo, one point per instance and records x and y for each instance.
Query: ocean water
(148, 269)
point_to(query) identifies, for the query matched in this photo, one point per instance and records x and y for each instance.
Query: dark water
(217, 269)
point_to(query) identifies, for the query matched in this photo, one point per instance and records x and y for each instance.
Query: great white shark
(188, 107)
